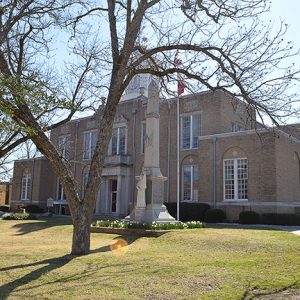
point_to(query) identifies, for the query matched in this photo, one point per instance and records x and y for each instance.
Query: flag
(180, 83)
(180, 87)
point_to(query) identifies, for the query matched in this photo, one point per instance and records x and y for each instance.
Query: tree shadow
(284, 292)
(25, 228)
(51, 264)
(251, 227)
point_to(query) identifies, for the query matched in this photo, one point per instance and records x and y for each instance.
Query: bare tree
(223, 45)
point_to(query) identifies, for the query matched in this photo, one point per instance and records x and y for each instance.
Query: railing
(118, 160)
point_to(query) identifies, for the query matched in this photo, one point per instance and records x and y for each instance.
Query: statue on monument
(149, 206)
(141, 193)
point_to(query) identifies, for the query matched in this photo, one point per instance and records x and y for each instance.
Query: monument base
(151, 213)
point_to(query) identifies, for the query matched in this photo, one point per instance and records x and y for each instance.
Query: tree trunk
(81, 233)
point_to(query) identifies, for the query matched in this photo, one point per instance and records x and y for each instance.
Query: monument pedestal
(154, 211)
(150, 198)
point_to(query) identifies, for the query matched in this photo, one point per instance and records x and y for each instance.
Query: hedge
(34, 209)
(280, 219)
(188, 211)
(249, 217)
(4, 208)
(214, 215)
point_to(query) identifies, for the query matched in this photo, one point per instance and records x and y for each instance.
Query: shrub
(153, 226)
(18, 216)
(280, 219)
(189, 211)
(4, 208)
(34, 209)
(214, 215)
(249, 217)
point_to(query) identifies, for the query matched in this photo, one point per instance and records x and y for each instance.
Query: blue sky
(288, 11)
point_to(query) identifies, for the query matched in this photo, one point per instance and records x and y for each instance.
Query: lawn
(210, 263)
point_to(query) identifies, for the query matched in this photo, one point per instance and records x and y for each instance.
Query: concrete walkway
(291, 229)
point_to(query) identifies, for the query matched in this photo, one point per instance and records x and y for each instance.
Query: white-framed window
(64, 146)
(190, 176)
(190, 130)
(113, 195)
(60, 192)
(118, 141)
(90, 141)
(26, 186)
(143, 136)
(236, 128)
(235, 175)
(85, 177)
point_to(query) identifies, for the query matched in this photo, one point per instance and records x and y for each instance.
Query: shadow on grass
(43, 223)
(251, 227)
(285, 292)
(51, 264)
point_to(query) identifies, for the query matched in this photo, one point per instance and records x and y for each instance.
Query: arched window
(26, 186)
(190, 177)
(235, 179)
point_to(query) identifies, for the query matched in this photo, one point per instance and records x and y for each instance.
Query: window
(143, 136)
(190, 175)
(85, 177)
(236, 128)
(64, 146)
(26, 186)
(60, 192)
(118, 141)
(236, 179)
(114, 192)
(190, 131)
(90, 140)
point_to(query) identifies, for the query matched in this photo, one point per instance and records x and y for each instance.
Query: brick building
(226, 160)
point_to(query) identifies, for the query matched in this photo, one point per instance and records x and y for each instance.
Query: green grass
(209, 263)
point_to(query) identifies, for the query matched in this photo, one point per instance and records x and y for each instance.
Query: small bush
(280, 219)
(249, 217)
(188, 211)
(214, 215)
(34, 209)
(4, 208)
(18, 216)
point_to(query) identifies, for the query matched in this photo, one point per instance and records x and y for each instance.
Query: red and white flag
(180, 83)
(180, 87)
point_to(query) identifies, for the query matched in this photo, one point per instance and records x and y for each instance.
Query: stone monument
(151, 181)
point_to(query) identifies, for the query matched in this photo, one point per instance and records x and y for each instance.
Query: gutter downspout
(178, 164)
(75, 148)
(214, 172)
(169, 145)
(134, 112)
(33, 169)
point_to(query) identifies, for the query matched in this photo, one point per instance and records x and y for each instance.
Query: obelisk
(154, 211)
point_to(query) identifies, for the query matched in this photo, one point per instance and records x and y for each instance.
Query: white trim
(248, 132)
(90, 132)
(118, 128)
(64, 147)
(190, 115)
(192, 171)
(27, 193)
(235, 179)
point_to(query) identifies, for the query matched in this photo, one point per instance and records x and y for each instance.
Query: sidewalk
(292, 229)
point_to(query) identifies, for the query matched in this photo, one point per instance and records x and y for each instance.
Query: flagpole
(178, 165)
